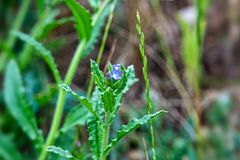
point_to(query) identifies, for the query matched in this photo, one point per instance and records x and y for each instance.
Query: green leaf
(131, 78)
(95, 4)
(82, 19)
(118, 100)
(17, 106)
(108, 99)
(77, 116)
(191, 53)
(40, 6)
(59, 151)
(127, 80)
(98, 20)
(54, 24)
(81, 99)
(98, 76)
(97, 103)
(45, 54)
(133, 124)
(8, 150)
(95, 130)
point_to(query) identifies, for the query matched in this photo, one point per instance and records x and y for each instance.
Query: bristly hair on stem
(145, 75)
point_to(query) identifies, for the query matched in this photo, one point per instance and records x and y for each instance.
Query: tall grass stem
(146, 79)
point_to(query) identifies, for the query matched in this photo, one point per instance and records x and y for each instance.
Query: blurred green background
(194, 71)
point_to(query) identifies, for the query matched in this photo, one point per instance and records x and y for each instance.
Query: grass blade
(82, 19)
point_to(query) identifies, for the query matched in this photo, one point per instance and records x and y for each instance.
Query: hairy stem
(61, 100)
(105, 135)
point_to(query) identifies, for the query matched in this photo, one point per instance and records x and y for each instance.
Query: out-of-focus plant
(192, 40)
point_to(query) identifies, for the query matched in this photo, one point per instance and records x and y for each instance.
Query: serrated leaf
(95, 129)
(45, 54)
(17, 106)
(127, 81)
(81, 99)
(98, 20)
(118, 100)
(97, 102)
(98, 76)
(108, 99)
(82, 19)
(133, 124)
(77, 116)
(131, 78)
(61, 152)
(8, 150)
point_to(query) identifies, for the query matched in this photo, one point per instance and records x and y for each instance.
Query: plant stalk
(61, 100)
(105, 135)
(146, 79)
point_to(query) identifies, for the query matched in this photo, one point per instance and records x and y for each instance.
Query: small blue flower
(116, 73)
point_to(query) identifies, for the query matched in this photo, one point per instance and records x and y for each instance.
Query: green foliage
(95, 130)
(61, 152)
(17, 105)
(191, 53)
(98, 20)
(98, 76)
(108, 99)
(54, 24)
(81, 99)
(82, 19)
(126, 129)
(128, 80)
(8, 150)
(77, 116)
(107, 96)
(192, 40)
(201, 21)
(44, 53)
(95, 3)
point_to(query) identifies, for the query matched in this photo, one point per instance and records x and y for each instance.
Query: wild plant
(102, 106)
